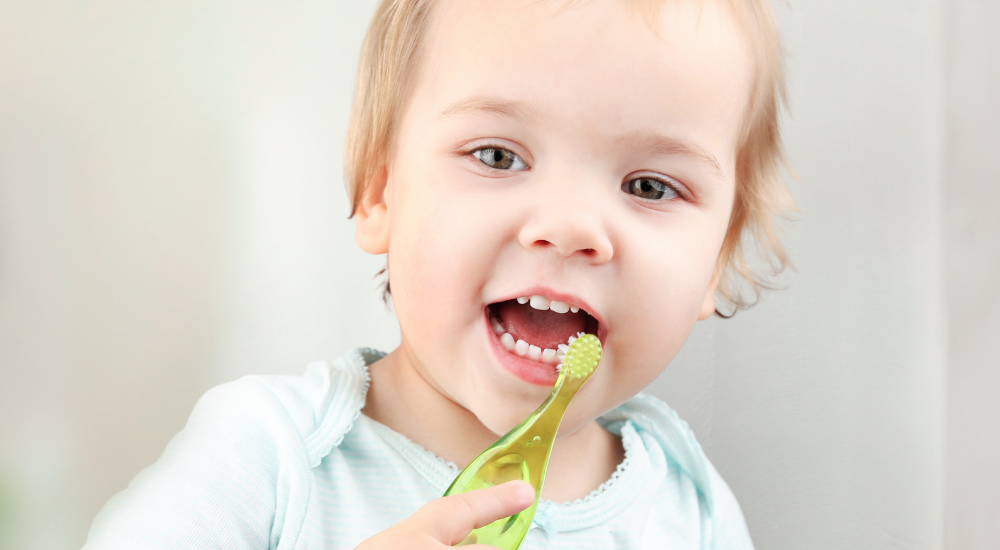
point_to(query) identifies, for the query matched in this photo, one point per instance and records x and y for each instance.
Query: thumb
(450, 519)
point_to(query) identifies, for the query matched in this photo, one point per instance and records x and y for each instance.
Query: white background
(172, 216)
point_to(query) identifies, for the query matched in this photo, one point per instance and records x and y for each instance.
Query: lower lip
(533, 372)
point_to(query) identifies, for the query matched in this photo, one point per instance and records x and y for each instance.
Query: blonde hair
(388, 63)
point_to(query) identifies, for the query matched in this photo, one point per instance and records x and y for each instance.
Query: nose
(569, 227)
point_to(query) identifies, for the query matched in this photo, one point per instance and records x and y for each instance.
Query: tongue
(545, 329)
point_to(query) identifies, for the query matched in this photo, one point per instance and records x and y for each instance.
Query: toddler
(532, 169)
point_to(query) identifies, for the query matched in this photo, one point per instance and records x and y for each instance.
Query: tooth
(563, 348)
(497, 328)
(574, 309)
(534, 352)
(523, 300)
(540, 302)
(548, 355)
(507, 340)
(559, 307)
(521, 347)
(571, 340)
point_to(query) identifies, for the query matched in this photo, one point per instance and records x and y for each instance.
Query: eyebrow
(670, 146)
(491, 106)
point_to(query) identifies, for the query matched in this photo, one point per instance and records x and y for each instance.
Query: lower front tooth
(497, 328)
(548, 355)
(534, 352)
(521, 347)
(507, 340)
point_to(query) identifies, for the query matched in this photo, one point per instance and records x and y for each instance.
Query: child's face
(567, 152)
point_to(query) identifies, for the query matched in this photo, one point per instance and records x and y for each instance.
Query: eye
(650, 189)
(499, 159)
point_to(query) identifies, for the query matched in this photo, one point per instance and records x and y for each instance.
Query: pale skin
(584, 102)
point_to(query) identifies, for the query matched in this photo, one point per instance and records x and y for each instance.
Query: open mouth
(538, 329)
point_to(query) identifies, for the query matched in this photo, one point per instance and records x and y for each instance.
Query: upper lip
(551, 294)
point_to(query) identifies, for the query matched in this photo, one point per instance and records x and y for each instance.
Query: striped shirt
(287, 462)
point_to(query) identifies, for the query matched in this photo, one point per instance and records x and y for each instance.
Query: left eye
(649, 188)
(499, 159)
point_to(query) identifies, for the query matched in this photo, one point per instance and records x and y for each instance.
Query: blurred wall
(972, 267)
(172, 216)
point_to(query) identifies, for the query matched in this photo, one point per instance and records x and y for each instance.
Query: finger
(451, 518)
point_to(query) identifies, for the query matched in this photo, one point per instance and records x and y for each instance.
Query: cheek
(660, 321)
(671, 272)
(440, 256)
(662, 296)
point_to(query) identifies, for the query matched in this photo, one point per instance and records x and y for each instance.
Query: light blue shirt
(287, 462)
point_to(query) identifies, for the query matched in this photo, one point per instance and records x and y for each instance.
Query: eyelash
(668, 182)
(495, 147)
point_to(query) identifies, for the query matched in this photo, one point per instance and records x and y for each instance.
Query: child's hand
(448, 520)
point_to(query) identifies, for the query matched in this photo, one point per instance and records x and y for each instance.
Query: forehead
(683, 71)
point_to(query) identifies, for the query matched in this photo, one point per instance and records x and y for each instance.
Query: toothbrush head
(582, 357)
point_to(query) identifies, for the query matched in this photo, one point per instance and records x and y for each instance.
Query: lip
(535, 372)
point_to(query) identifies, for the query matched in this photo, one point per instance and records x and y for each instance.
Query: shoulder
(723, 522)
(316, 408)
(239, 474)
(729, 528)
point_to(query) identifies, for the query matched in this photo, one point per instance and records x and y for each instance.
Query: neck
(401, 398)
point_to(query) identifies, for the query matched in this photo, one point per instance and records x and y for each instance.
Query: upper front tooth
(540, 302)
(574, 309)
(523, 300)
(559, 307)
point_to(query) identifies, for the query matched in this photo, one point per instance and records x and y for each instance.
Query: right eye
(500, 159)
(650, 189)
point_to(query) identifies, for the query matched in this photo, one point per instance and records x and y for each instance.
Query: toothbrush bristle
(583, 356)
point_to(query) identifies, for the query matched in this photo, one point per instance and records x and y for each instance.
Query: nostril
(542, 243)
(590, 252)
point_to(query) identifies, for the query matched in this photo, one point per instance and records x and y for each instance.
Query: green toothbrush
(524, 452)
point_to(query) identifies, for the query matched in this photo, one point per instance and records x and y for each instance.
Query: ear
(708, 306)
(372, 216)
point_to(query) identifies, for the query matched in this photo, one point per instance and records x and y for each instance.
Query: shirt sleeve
(222, 482)
(729, 528)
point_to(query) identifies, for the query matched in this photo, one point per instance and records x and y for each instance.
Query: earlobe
(372, 217)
